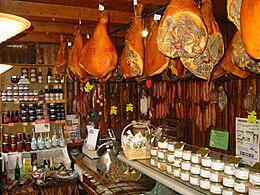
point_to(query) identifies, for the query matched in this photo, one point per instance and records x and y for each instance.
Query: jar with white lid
(228, 181)
(241, 186)
(254, 177)
(3, 98)
(171, 146)
(185, 165)
(205, 172)
(194, 179)
(216, 176)
(177, 172)
(153, 151)
(195, 169)
(229, 168)
(185, 175)
(4, 93)
(253, 190)
(215, 188)
(204, 183)
(163, 144)
(217, 165)
(228, 191)
(170, 157)
(162, 154)
(195, 158)
(177, 162)
(206, 161)
(178, 153)
(186, 155)
(242, 173)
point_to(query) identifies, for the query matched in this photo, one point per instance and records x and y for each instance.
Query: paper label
(42, 126)
(157, 17)
(135, 2)
(101, 7)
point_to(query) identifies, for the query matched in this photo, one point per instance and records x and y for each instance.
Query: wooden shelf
(33, 123)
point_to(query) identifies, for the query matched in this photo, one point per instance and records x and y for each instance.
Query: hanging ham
(134, 47)
(155, 61)
(241, 58)
(233, 11)
(99, 56)
(250, 27)
(182, 32)
(73, 61)
(229, 66)
(203, 65)
(59, 69)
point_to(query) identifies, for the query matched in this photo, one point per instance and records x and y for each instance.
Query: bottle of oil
(17, 170)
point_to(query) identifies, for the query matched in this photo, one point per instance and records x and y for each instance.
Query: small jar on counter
(228, 191)
(170, 157)
(185, 165)
(204, 183)
(228, 181)
(170, 168)
(194, 179)
(177, 172)
(215, 188)
(229, 168)
(253, 189)
(241, 186)
(185, 175)
(242, 173)
(171, 146)
(195, 169)
(153, 151)
(154, 161)
(206, 161)
(186, 155)
(162, 154)
(205, 172)
(178, 153)
(216, 176)
(177, 162)
(162, 165)
(217, 165)
(254, 178)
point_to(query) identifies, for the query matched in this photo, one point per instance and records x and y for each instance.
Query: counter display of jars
(31, 112)
(208, 173)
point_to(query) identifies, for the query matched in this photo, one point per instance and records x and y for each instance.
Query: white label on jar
(240, 187)
(176, 172)
(178, 153)
(214, 177)
(206, 162)
(242, 174)
(185, 166)
(170, 157)
(204, 173)
(159, 165)
(163, 145)
(217, 166)
(228, 182)
(186, 155)
(152, 161)
(161, 155)
(194, 180)
(227, 192)
(169, 168)
(205, 184)
(171, 147)
(185, 176)
(215, 189)
(254, 191)
(229, 170)
(195, 159)
(254, 179)
(177, 163)
(153, 152)
(195, 170)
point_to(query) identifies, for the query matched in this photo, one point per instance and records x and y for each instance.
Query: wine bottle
(54, 142)
(49, 76)
(62, 141)
(48, 140)
(40, 76)
(17, 170)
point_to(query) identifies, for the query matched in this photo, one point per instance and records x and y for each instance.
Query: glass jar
(228, 191)
(154, 161)
(170, 157)
(153, 151)
(162, 165)
(195, 169)
(254, 178)
(242, 173)
(186, 155)
(241, 186)
(215, 188)
(185, 165)
(170, 168)
(216, 176)
(6, 117)
(177, 172)
(217, 165)
(178, 153)
(194, 179)
(228, 181)
(206, 161)
(254, 190)
(185, 175)
(204, 183)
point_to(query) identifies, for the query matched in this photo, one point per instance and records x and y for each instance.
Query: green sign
(219, 139)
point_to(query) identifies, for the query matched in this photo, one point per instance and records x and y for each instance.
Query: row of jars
(204, 170)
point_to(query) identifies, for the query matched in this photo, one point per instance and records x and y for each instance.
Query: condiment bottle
(33, 141)
(54, 141)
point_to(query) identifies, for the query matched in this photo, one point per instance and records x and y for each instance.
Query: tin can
(20, 146)
(242, 173)
(177, 162)
(162, 154)
(153, 151)
(229, 169)
(13, 148)
(171, 146)
(241, 186)
(186, 155)
(217, 165)
(228, 191)
(170, 168)
(162, 165)
(195, 158)
(205, 172)
(254, 178)
(195, 169)
(170, 157)
(177, 172)
(206, 161)
(228, 181)
(185, 175)
(204, 183)
(178, 153)
(253, 190)
(216, 176)
(194, 179)
(154, 161)
(215, 188)
(185, 165)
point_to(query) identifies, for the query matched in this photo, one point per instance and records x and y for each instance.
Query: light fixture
(145, 32)
(11, 25)
(5, 67)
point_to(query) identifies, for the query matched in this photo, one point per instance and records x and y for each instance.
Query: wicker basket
(134, 154)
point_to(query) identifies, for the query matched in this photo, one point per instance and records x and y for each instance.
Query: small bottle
(54, 141)
(45, 164)
(61, 96)
(33, 140)
(62, 141)
(48, 140)
(49, 76)
(40, 76)
(17, 170)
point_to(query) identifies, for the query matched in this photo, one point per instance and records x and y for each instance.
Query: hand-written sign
(219, 139)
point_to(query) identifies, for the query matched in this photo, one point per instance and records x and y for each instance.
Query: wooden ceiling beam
(32, 9)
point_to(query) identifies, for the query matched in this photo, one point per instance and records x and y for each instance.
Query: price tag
(157, 17)
(101, 7)
(135, 2)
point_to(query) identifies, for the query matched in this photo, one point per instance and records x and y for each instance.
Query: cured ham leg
(99, 56)
(155, 61)
(182, 32)
(132, 58)
(59, 69)
(203, 65)
(73, 61)
(233, 11)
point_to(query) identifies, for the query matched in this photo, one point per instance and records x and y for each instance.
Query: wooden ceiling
(51, 18)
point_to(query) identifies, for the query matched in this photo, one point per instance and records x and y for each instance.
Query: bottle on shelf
(46, 92)
(17, 170)
(49, 76)
(61, 96)
(54, 141)
(33, 140)
(40, 141)
(45, 164)
(40, 75)
(48, 140)
(62, 140)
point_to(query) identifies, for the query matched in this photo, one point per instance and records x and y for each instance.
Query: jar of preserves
(13, 139)
(241, 186)
(6, 117)
(178, 153)
(229, 168)
(228, 191)
(194, 179)
(170, 168)
(162, 154)
(185, 165)
(254, 189)
(217, 165)
(204, 183)
(216, 176)
(162, 165)
(6, 147)
(186, 155)
(206, 161)
(170, 157)
(154, 161)
(177, 162)
(6, 138)
(195, 169)
(185, 175)
(171, 146)
(27, 146)
(215, 188)
(15, 116)
(228, 181)
(254, 178)
(13, 148)
(177, 172)
(205, 172)
(20, 146)
(19, 137)
(242, 173)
